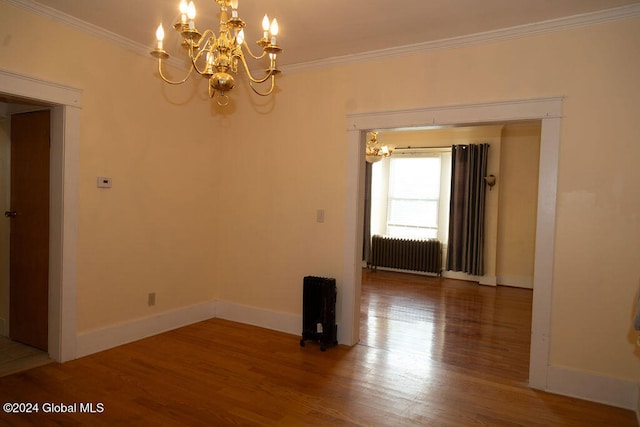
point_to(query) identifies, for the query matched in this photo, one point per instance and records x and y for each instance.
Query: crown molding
(560, 24)
(61, 17)
(619, 13)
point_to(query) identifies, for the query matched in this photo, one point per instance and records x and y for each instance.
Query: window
(414, 192)
(411, 195)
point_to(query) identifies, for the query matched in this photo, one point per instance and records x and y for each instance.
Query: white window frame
(380, 189)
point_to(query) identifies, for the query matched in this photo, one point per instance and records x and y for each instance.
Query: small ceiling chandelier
(214, 57)
(375, 151)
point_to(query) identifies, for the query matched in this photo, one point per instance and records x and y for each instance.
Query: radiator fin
(406, 254)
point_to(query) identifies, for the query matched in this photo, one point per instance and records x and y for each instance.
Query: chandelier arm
(167, 80)
(198, 55)
(273, 84)
(193, 63)
(246, 46)
(253, 79)
(220, 53)
(211, 35)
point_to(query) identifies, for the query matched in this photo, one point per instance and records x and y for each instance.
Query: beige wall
(520, 158)
(154, 231)
(596, 261)
(208, 205)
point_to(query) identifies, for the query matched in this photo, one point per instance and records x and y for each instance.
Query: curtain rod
(409, 147)
(435, 147)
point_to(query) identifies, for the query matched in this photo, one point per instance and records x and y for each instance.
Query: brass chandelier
(375, 150)
(215, 57)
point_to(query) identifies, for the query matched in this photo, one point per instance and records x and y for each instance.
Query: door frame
(65, 103)
(546, 110)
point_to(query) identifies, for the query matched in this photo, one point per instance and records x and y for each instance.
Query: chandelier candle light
(213, 57)
(374, 150)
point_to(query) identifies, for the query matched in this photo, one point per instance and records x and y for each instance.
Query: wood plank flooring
(433, 352)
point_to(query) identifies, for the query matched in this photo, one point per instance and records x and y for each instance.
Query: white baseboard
(277, 321)
(587, 386)
(112, 336)
(516, 281)
(399, 270)
(488, 280)
(482, 280)
(564, 381)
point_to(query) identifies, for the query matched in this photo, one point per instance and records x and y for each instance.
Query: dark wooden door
(29, 216)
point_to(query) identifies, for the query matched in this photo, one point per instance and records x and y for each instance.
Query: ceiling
(315, 30)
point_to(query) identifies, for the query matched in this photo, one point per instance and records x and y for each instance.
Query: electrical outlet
(151, 299)
(104, 182)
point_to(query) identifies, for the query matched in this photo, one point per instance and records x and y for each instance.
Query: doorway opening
(25, 227)
(64, 105)
(422, 212)
(449, 319)
(24, 150)
(548, 111)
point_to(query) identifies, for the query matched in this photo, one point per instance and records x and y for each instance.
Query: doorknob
(10, 214)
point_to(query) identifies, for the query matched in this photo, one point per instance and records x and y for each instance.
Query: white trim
(488, 280)
(544, 252)
(515, 281)
(63, 241)
(481, 280)
(560, 24)
(126, 332)
(122, 333)
(479, 113)
(78, 24)
(277, 321)
(588, 386)
(549, 111)
(399, 270)
(348, 302)
(619, 13)
(36, 89)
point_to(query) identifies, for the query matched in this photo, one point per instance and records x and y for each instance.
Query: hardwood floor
(479, 330)
(433, 352)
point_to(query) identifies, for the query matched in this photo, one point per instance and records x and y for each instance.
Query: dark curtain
(366, 244)
(466, 213)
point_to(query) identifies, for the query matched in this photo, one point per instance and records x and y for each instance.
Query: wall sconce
(490, 180)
